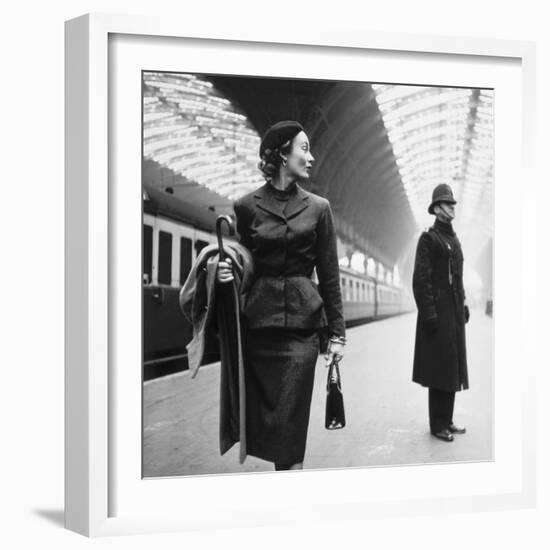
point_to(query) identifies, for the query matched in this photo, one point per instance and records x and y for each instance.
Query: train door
(147, 258)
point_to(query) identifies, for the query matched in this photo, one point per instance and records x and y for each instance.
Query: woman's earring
(284, 162)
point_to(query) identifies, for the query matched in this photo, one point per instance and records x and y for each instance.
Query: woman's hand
(225, 271)
(336, 350)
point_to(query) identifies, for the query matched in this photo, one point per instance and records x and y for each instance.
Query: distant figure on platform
(289, 231)
(440, 347)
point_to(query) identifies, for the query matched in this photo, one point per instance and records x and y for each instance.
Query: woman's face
(300, 159)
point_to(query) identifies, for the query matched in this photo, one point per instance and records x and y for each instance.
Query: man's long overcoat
(440, 357)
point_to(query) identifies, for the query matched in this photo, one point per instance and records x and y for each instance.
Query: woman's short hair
(272, 159)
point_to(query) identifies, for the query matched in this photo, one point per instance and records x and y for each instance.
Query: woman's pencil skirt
(280, 368)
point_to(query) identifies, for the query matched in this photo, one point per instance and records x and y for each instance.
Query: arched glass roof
(380, 149)
(442, 135)
(190, 128)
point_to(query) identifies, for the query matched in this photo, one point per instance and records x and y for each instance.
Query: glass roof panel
(442, 135)
(193, 130)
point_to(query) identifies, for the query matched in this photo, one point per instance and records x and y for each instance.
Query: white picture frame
(99, 500)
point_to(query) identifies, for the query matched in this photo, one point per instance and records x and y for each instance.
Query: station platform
(386, 413)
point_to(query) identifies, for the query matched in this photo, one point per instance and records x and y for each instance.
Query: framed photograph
(164, 125)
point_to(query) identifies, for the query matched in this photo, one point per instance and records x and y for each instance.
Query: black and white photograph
(292, 275)
(317, 274)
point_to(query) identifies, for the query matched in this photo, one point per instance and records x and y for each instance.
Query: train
(174, 233)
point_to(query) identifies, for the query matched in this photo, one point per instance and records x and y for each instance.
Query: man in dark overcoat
(440, 347)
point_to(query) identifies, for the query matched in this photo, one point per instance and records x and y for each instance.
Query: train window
(186, 258)
(165, 258)
(147, 253)
(199, 245)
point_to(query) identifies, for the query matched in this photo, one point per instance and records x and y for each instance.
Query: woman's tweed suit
(289, 233)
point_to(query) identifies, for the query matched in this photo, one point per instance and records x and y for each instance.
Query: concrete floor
(386, 413)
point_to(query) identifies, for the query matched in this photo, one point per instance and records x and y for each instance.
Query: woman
(289, 232)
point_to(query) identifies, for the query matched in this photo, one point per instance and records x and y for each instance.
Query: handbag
(335, 417)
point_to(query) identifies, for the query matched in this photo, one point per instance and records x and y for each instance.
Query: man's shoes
(444, 435)
(454, 429)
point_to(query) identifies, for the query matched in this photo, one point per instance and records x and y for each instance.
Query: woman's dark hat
(279, 134)
(442, 193)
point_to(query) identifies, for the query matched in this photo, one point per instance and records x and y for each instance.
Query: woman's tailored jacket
(440, 356)
(287, 241)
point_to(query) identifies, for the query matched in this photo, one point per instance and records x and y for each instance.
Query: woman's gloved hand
(466, 313)
(336, 350)
(225, 271)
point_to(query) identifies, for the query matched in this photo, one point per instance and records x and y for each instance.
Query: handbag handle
(334, 373)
